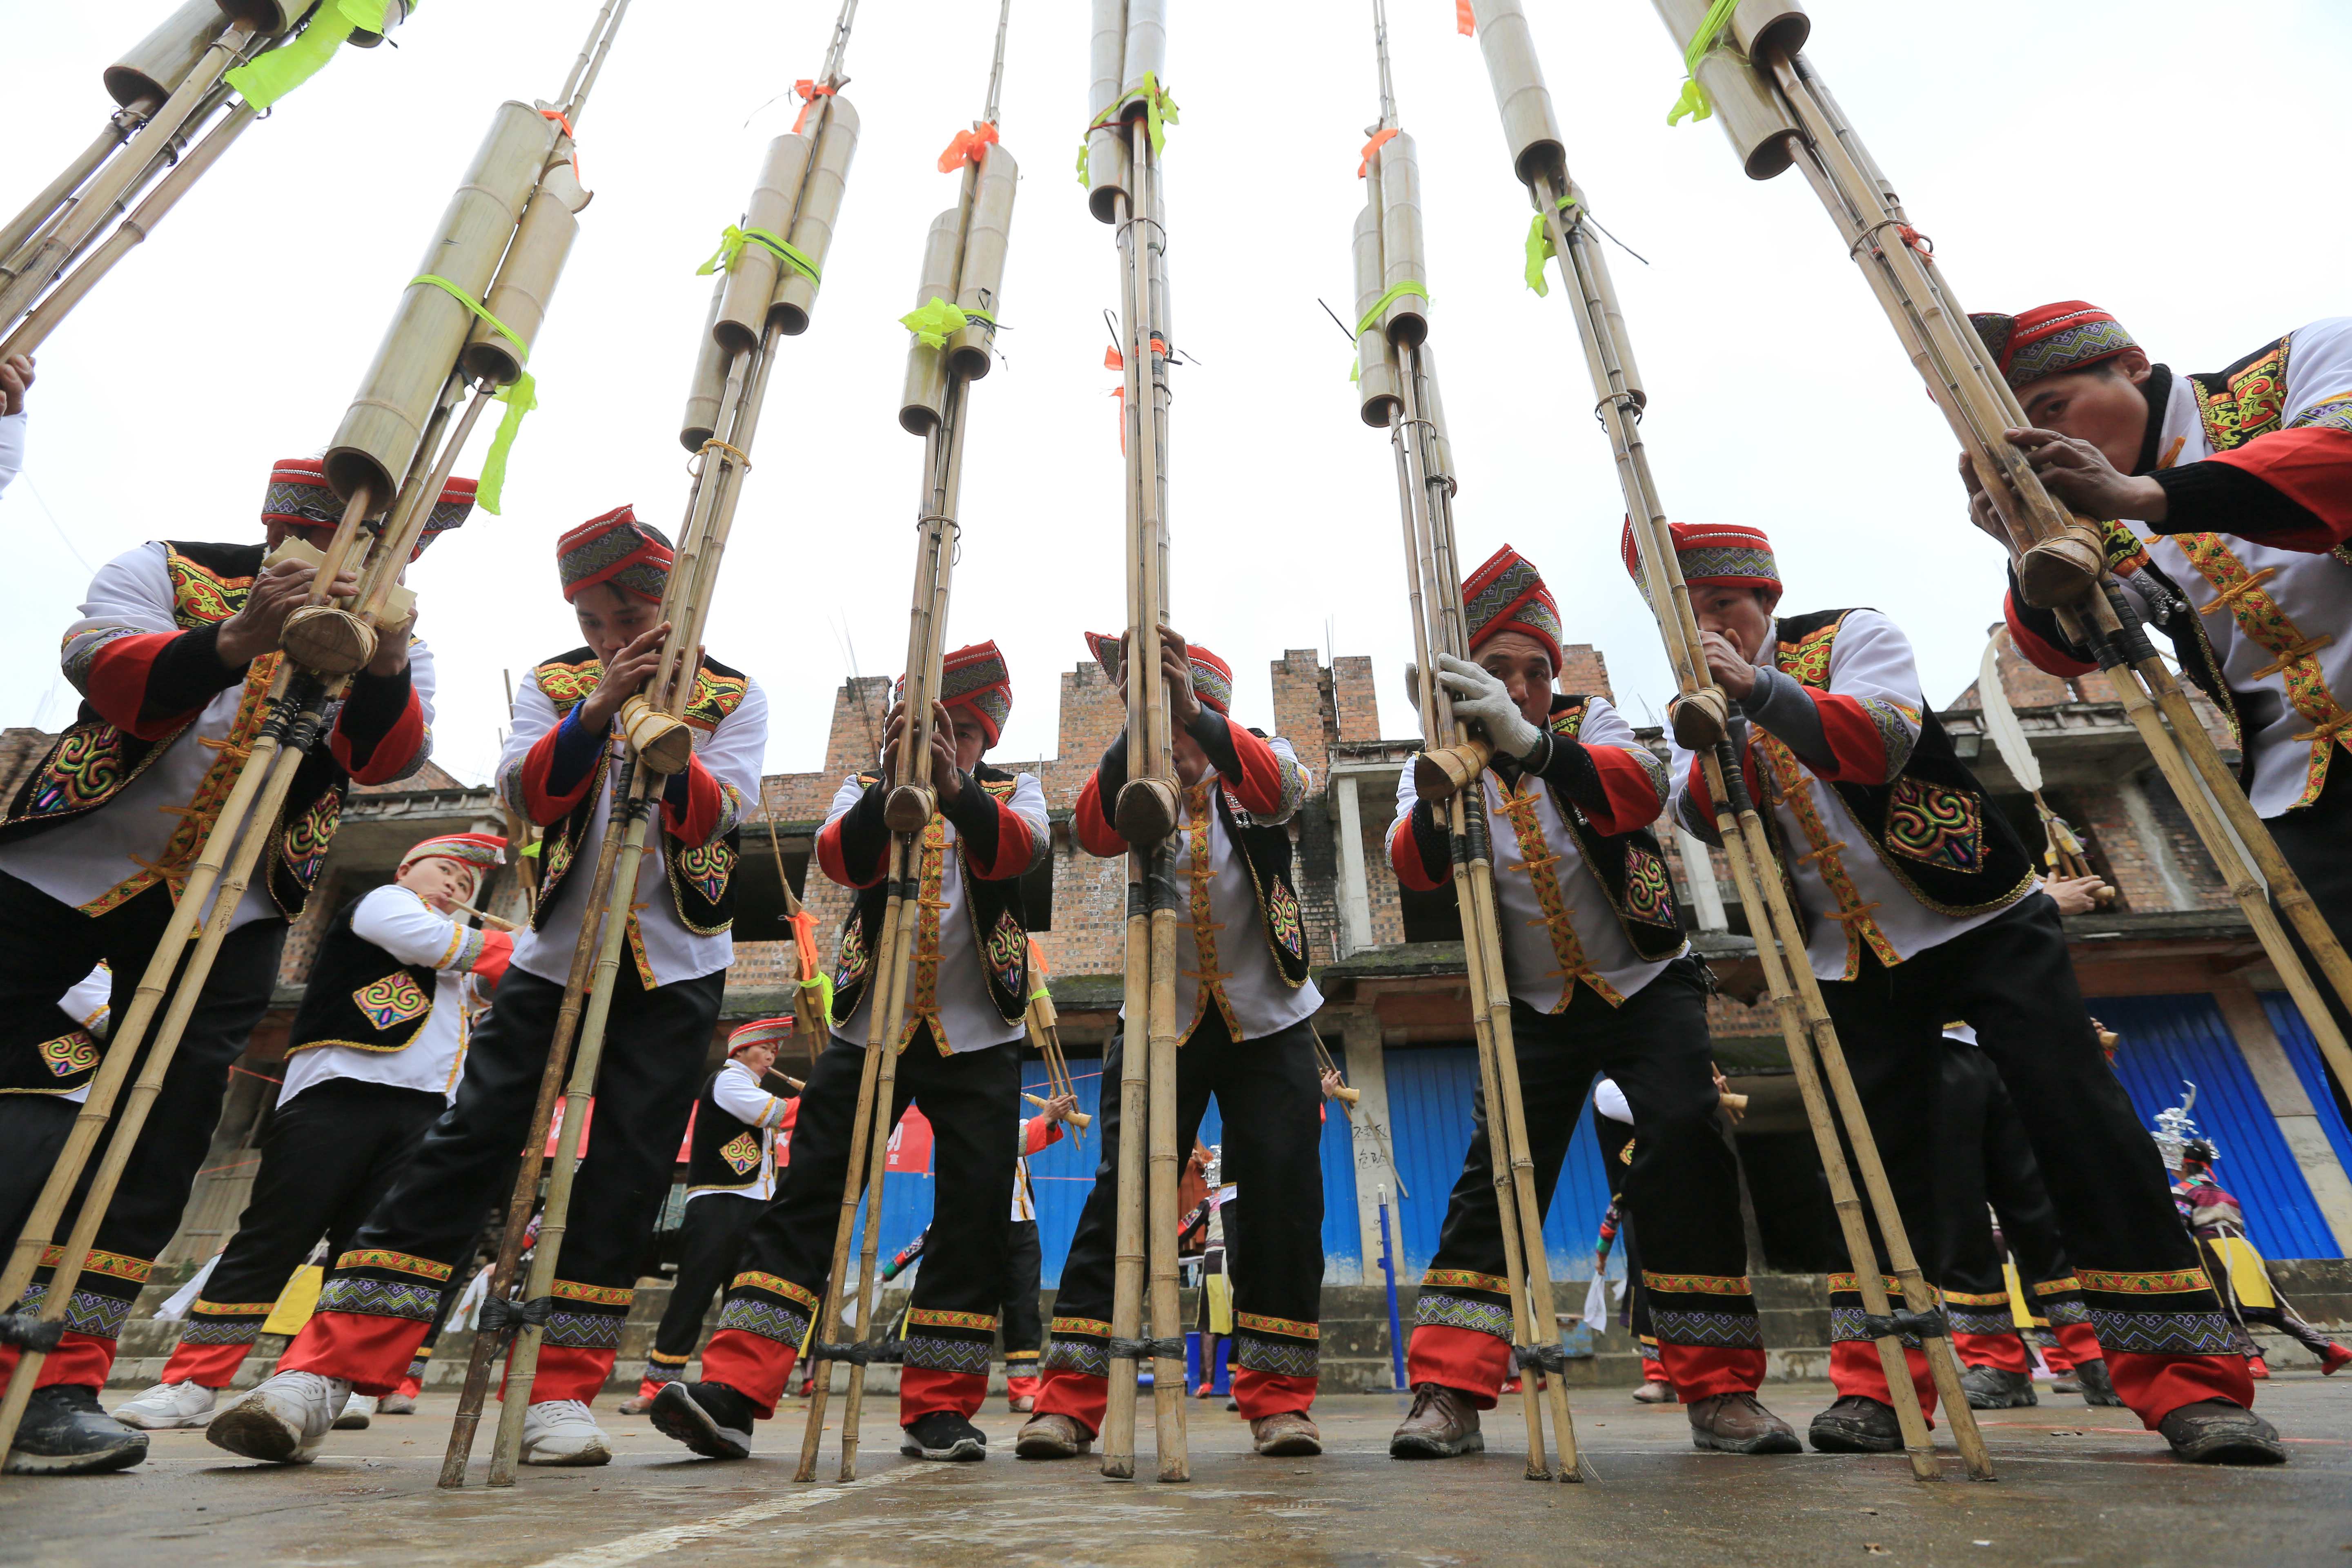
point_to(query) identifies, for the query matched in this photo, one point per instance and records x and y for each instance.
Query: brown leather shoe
(1052, 1438)
(1739, 1424)
(2216, 1432)
(1442, 1425)
(1654, 1391)
(1285, 1434)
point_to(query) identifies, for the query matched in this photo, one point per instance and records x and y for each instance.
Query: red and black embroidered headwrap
(1508, 594)
(299, 497)
(2050, 340)
(1212, 678)
(1713, 554)
(616, 548)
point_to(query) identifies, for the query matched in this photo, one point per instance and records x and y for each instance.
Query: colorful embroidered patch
(1649, 895)
(1293, 1328)
(774, 1285)
(1463, 1279)
(616, 1296)
(707, 867)
(1008, 952)
(1699, 1284)
(397, 1262)
(1934, 824)
(935, 1318)
(70, 1053)
(1093, 1326)
(741, 1153)
(1282, 912)
(2158, 1282)
(392, 1001)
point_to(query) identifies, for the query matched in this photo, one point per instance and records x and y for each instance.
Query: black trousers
(2317, 844)
(710, 1240)
(1617, 1142)
(328, 1157)
(972, 1100)
(46, 947)
(1271, 1096)
(2012, 979)
(1022, 1325)
(1682, 1189)
(655, 1056)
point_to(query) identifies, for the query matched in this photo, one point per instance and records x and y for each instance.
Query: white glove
(1480, 698)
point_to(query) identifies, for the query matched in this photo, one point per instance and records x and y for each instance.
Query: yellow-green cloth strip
(1692, 104)
(1539, 249)
(1381, 305)
(731, 241)
(932, 322)
(520, 398)
(1158, 112)
(262, 82)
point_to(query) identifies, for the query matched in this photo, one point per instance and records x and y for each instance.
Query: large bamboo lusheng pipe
(1699, 713)
(1756, 58)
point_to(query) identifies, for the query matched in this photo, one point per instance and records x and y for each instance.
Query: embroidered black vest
(701, 876)
(1000, 927)
(93, 762)
(1931, 826)
(1266, 855)
(725, 1154)
(360, 995)
(46, 1051)
(1630, 866)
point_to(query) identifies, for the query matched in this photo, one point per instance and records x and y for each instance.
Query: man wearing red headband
(2236, 486)
(730, 1176)
(174, 654)
(558, 770)
(1920, 905)
(1601, 981)
(373, 1059)
(959, 1059)
(1246, 1003)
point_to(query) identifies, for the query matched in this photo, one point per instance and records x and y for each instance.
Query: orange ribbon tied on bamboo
(969, 147)
(1466, 19)
(558, 116)
(1379, 138)
(810, 93)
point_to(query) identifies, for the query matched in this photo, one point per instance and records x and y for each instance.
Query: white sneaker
(562, 1432)
(166, 1406)
(396, 1405)
(357, 1411)
(284, 1421)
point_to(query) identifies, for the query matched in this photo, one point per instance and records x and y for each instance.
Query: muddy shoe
(1285, 1434)
(636, 1405)
(2091, 1382)
(943, 1435)
(2216, 1432)
(64, 1433)
(1990, 1388)
(1857, 1424)
(1739, 1424)
(1654, 1391)
(284, 1420)
(710, 1418)
(1052, 1438)
(1442, 1425)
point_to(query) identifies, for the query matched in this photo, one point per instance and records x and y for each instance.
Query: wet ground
(2075, 1486)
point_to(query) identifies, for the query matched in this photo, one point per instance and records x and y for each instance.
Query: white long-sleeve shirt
(83, 860)
(11, 447)
(414, 932)
(1871, 662)
(90, 1004)
(732, 753)
(738, 1093)
(966, 1010)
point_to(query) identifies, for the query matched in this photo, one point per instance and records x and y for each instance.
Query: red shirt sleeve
(393, 751)
(1856, 747)
(1038, 1134)
(1259, 784)
(498, 952)
(2040, 652)
(704, 798)
(1095, 833)
(545, 807)
(1634, 800)
(2311, 465)
(1412, 860)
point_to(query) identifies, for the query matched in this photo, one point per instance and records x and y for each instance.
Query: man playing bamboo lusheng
(1243, 994)
(1601, 980)
(383, 1294)
(959, 1059)
(374, 1057)
(730, 1176)
(1920, 906)
(175, 651)
(2237, 486)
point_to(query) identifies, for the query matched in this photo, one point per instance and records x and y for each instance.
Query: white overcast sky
(2169, 160)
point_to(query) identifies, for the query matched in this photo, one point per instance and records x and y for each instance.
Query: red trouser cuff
(370, 1353)
(1854, 1368)
(409, 1387)
(2078, 1342)
(79, 1360)
(1022, 1387)
(2154, 1386)
(1270, 1394)
(206, 1366)
(1076, 1396)
(923, 1390)
(564, 1371)
(2003, 1353)
(1702, 1371)
(753, 1365)
(1471, 1363)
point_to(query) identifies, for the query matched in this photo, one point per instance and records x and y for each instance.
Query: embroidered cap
(616, 548)
(2050, 340)
(299, 497)
(479, 850)
(1508, 594)
(1212, 678)
(1712, 555)
(762, 1032)
(973, 678)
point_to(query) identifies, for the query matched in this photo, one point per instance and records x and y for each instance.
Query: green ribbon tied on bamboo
(1694, 104)
(261, 82)
(1159, 113)
(1380, 308)
(520, 398)
(1539, 249)
(731, 241)
(935, 322)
